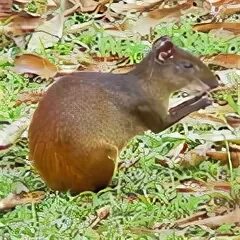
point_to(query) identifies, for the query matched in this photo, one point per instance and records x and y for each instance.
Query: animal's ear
(163, 48)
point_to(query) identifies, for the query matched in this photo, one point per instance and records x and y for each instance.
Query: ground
(166, 186)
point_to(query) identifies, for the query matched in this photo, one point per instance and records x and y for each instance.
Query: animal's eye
(187, 65)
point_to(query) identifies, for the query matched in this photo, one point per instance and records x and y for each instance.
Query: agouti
(86, 118)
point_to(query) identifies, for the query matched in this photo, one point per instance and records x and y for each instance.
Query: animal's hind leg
(104, 162)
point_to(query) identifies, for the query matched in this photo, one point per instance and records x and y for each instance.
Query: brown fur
(86, 118)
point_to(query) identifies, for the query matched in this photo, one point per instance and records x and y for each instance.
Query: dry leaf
(205, 118)
(30, 63)
(193, 185)
(197, 216)
(218, 185)
(6, 6)
(146, 22)
(173, 11)
(228, 10)
(125, 164)
(218, 3)
(84, 6)
(222, 156)
(233, 120)
(88, 5)
(225, 60)
(12, 200)
(206, 27)
(48, 33)
(195, 156)
(29, 98)
(216, 221)
(21, 25)
(11, 133)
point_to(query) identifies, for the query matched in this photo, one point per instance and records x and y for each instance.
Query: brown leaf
(4, 15)
(216, 221)
(218, 3)
(206, 27)
(218, 185)
(195, 156)
(149, 20)
(29, 98)
(30, 63)
(5, 6)
(173, 11)
(233, 121)
(227, 10)
(20, 25)
(12, 200)
(193, 185)
(88, 5)
(222, 156)
(83, 6)
(226, 60)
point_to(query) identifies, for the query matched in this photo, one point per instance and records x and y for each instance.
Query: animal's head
(179, 68)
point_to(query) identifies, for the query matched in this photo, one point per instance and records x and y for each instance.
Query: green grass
(140, 197)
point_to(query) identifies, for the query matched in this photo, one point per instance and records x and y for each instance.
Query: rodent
(86, 118)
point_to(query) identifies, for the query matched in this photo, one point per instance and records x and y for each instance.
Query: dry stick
(229, 159)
